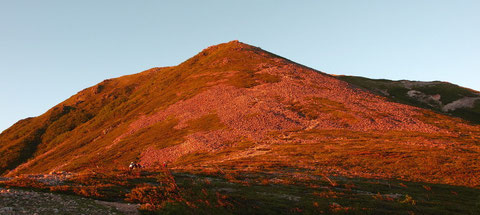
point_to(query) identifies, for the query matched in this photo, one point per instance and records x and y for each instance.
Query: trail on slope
(16, 201)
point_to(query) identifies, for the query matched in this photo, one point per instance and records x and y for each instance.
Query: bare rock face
(467, 102)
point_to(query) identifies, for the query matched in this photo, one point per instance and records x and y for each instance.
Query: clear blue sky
(50, 50)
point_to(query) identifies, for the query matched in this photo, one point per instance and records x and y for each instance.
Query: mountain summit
(237, 106)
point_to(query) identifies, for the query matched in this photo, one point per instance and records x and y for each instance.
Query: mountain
(442, 97)
(236, 106)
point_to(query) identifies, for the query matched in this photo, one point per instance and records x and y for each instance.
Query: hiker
(134, 165)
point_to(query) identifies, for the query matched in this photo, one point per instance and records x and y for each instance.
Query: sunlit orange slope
(239, 107)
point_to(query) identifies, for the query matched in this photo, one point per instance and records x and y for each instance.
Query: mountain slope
(237, 106)
(439, 96)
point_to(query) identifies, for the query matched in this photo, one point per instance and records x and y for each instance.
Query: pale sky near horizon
(50, 50)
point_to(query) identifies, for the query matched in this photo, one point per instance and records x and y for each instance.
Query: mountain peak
(231, 44)
(231, 54)
(229, 47)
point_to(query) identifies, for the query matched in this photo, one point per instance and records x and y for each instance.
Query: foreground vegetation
(290, 191)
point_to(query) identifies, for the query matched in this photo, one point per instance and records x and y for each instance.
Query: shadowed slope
(442, 97)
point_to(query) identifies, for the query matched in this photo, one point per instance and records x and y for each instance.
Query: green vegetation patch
(248, 79)
(208, 122)
(317, 105)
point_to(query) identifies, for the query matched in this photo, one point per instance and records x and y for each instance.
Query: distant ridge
(442, 97)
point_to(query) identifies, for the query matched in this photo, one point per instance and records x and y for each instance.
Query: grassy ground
(289, 191)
